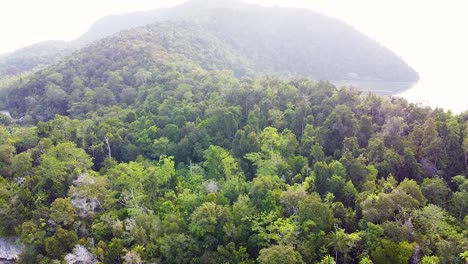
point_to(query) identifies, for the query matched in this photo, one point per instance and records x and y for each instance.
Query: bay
(436, 90)
(447, 92)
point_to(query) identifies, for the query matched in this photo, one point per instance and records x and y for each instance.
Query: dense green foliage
(199, 166)
(283, 41)
(109, 71)
(152, 146)
(34, 56)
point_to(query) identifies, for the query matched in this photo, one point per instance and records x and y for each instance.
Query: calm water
(378, 87)
(436, 48)
(450, 93)
(444, 91)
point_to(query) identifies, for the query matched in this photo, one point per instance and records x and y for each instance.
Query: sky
(428, 34)
(410, 28)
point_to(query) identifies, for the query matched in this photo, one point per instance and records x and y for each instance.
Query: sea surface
(378, 87)
(449, 92)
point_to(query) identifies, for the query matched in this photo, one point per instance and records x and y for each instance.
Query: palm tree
(366, 260)
(464, 256)
(327, 260)
(430, 260)
(342, 242)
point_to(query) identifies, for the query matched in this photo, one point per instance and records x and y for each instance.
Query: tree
(142, 76)
(62, 212)
(436, 191)
(390, 165)
(60, 243)
(59, 166)
(265, 165)
(342, 242)
(89, 195)
(132, 257)
(314, 215)
(393, 253)
(272, 229)
(322, 175)
(113, 254)
(375, 150)
(22, 164)
(178, 248)
(430, 260)
(465, 151)
(265, 192)
(464, 255)
(220, 164)
(365, 131)
(365, 260)
(410, 168)
(327, 260)
(103, 96)
(372, 235)
(287, 144)
(460, 198)
(339, 124)
(316, 153)
(55, 101)
(398, 204)
(128, 180)
(279, 254)
(234, 187)
(7, 152)
(207, 223)
(291, 198)
(230, 254)
(432, 148)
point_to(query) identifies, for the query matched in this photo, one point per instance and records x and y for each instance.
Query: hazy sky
(429, 34)
(411, 28)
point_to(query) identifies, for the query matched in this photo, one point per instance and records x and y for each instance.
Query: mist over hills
(37, 55)
(285, 41)
(113, 69)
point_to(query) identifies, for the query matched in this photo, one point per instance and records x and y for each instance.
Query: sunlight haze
(410, 28)
(428, 35)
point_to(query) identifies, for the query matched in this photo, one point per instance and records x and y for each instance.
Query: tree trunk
(466, 162)
(106, 139)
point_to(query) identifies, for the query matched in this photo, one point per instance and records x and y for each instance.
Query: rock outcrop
(9, 250)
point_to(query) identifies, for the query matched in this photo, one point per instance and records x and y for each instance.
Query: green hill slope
(38, 55)
(284, 41)
(160, 144)
(123, 62)
(162, 161)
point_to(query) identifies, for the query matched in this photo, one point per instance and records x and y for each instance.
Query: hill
(159, 144)
(157, 159)
(38, 55)
(284, 41)
(113, 69)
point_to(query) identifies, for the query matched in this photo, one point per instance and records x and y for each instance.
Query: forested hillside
(170, 143)
(113, 67)
(282, 41)
(34, 56)
(159, 157)
(110, 70)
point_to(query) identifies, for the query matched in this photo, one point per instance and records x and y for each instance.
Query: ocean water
(448, 91)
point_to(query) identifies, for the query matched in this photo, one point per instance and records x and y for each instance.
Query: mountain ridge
(272, 35)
